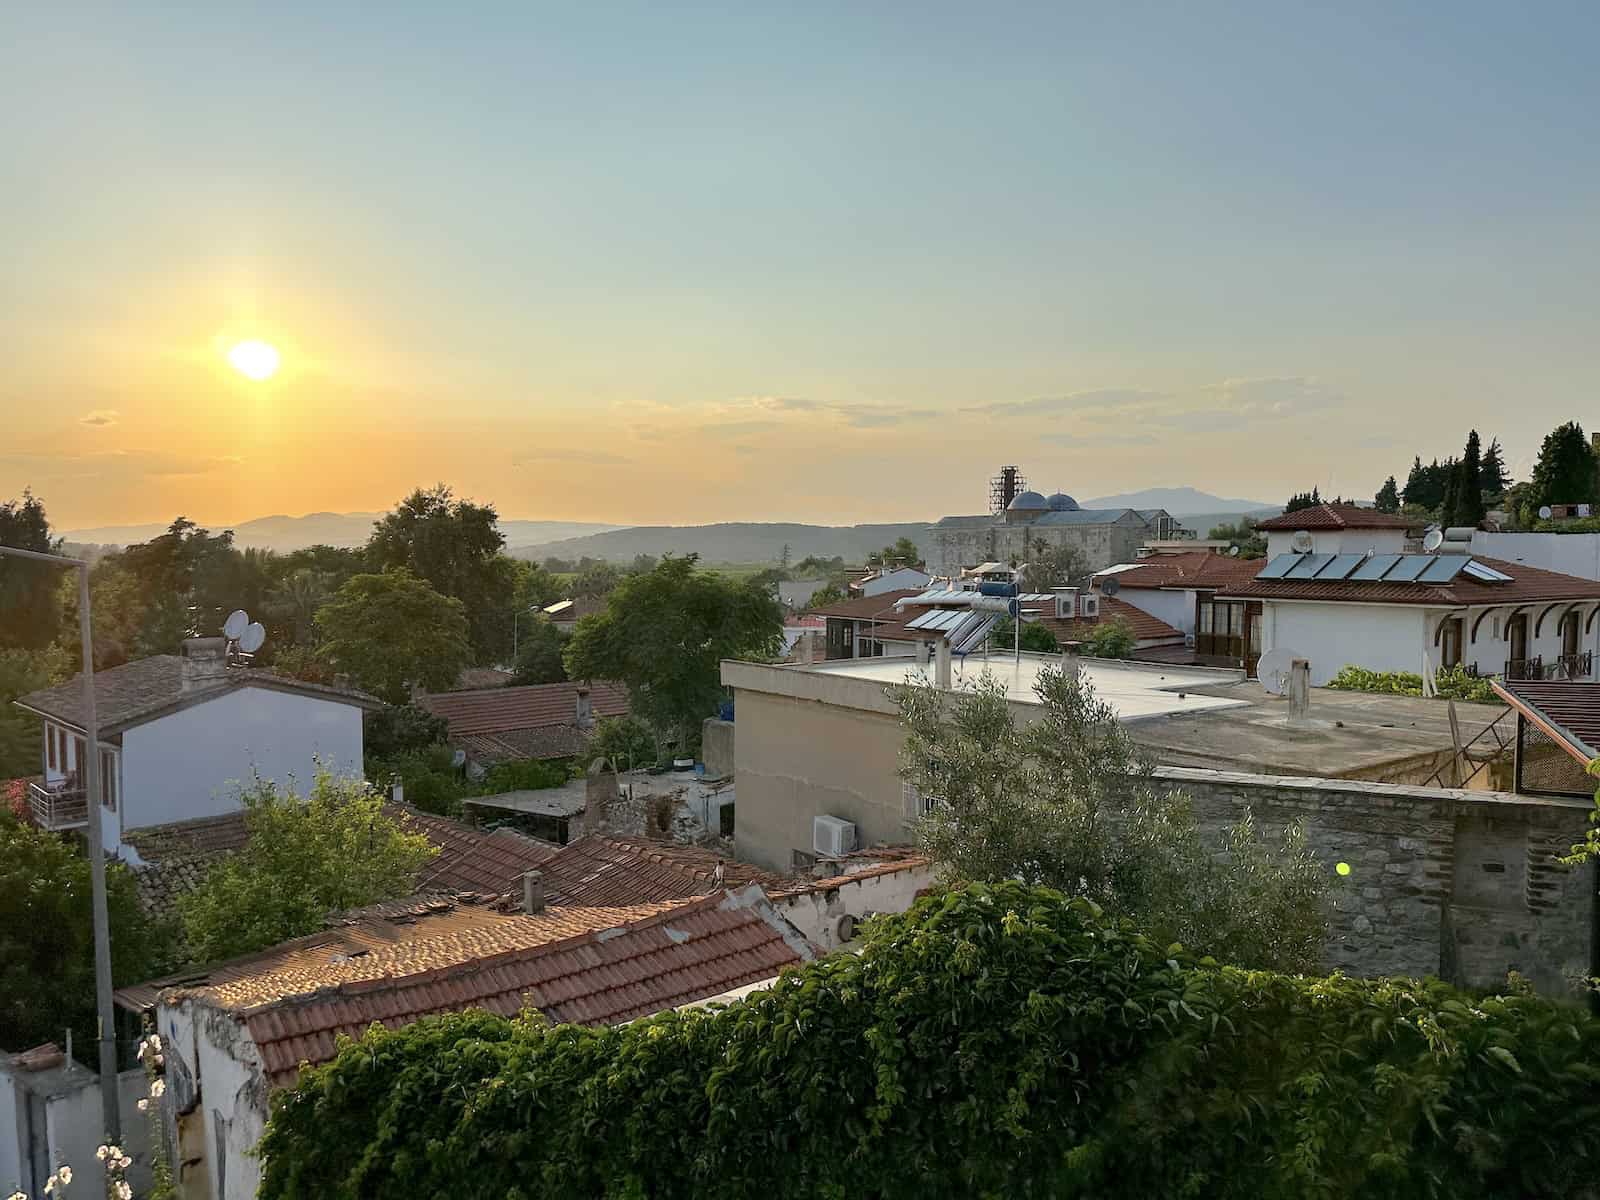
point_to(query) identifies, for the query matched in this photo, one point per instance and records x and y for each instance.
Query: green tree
(539, 653)
(396, 728)
(1469, 507)
(595, 580)
(455, 545)
(1388, 497)
(1049, 565)
(1244, 535)
(626, 742)
(46, 938)
(1069, 801)
(291, 607)
(21, 733)
(826, 594)
(1565, 472)
(783, 557)
(903, 553)
(665, 633)
(306, 857)
(29, 591)
(1111, 639)
(1493, 479)
(1035, 637)
(1303, 500)
(391, 632)
(1450, 501)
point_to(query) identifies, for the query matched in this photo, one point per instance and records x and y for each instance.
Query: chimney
(1066, 602)
(205, 661)
(1071, 659)
(941, 668)
(584, 715)
(532, 893)
(1299, 689)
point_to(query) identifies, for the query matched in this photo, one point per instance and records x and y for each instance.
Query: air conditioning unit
(832, 837)
(1089, 607)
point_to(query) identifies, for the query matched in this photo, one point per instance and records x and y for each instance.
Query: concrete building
(1101, 536)
(1341, 529)
(890, 579)
(177, 732)
(50, 1118)
(1575, 554)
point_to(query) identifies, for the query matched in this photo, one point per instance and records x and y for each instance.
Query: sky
(836, 263)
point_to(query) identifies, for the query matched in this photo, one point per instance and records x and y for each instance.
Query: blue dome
(1061, 502)
(1026, 501)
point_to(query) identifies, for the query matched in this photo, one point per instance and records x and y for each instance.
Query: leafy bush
(529, 774)
(1112, 639)
(431, 783)
(1450, 683)
(399, 727)
(1000, 1041)
(625, 741)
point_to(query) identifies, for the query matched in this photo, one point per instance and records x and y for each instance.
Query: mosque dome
(1028, 502)
(1061, 502)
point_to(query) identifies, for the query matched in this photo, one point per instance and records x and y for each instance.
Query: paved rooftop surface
(1135, 690)
(1345, 734)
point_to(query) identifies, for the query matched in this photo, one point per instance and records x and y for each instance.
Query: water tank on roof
(1028, 501)
(1061, 502)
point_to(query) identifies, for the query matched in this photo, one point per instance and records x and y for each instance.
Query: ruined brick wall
(1458, 884)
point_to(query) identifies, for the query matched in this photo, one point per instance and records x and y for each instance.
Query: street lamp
(107, 1040)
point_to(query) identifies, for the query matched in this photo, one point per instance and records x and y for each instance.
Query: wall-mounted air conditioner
(832, 837)
(1089, 606)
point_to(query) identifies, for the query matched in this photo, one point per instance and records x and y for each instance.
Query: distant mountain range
(1181, 502)
(731, 542)
(284, 534)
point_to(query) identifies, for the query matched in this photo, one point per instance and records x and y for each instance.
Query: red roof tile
(1191, 569)
(500, 710)
(1338, 516)
(1145, 627)
(865, 608)
(609, 870)
(471, 860)
(1528, 584)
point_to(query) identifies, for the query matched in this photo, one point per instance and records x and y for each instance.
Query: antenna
(1302, 542)
(254, 635)
(1273, 670)
(1233, 551)
(233, 628)
(1544, 511)
(1432, 540)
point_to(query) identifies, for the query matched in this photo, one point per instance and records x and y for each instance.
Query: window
(50, 745)
(1569, 635)
(1450, 643)
(1219, 629)
(108, 780)
(915, 803)
(80, 759)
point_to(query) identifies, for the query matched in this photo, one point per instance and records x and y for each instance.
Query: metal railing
(58, 808)
(1564, 666)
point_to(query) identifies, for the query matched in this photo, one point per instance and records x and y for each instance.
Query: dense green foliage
(395, 728)
(665, 632)
(1388, 498)
(28, 590)
(626, 742)
(1450, 683)
(1049, 565)
(993, 1042)
(1111, 639)
(539, 648)
(902, 553)
(22, 733)
(1303, 500)
(1567, 472)
(391, 632)
(1250, 542)
(306, 857)
(1069, 801)
(1035, 637)
(46, 938)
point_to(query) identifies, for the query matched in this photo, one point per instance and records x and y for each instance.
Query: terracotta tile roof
(864, 608)
(148, 688)
(503, 709)
(610, 870)
(554, 741)
(472, 860)
(1192, 569)
(1337, 516)
(1528, 585)
(1146, 628)
(208, 836)
(476, 678)
(593, 966)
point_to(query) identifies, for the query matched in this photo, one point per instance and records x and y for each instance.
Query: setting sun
(254, 360)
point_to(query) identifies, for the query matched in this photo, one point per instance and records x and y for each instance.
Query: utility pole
(107, 1039)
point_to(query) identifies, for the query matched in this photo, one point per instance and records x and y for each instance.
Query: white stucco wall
(75, 1125)
(217, 1099)
(11, 1135)
(181, 766)
(1378, 637)
(1175, 607)
(1569, 553)
(900, 578)
(816, 913)
(1341, 541)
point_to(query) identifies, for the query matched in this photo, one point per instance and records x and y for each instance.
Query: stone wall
(1458, 884)
(955, 547)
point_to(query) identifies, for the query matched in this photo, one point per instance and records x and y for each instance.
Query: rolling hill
(1181, 502)
(283, 534)
(730, 542)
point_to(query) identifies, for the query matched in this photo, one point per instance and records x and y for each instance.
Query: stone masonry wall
(1458, 884)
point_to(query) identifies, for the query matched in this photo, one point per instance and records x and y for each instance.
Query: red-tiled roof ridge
(865, 608)
(1189, 569)
(1146, 626)
(1338, 516)
(1528, 585)
(531, 706)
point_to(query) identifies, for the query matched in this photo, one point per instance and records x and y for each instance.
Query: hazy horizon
(675, 266)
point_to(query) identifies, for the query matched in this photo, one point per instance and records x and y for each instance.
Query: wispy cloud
(1095, 400)
(99, 417)
(1231, 405)
(554, 455)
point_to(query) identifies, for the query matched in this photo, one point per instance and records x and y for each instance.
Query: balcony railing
(1564, 666)
(58, 808)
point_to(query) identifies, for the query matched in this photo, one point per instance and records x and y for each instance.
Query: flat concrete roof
(568, 800)
(1345, 734)
(1137, 691)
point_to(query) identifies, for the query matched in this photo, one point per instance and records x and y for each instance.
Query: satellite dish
(458, 759)
(1302, 542)
(1109, 586)
(233, 628)
(254, 635)
(1233, 552)
(1433, 540)
(1544, 511)
(1273, 670)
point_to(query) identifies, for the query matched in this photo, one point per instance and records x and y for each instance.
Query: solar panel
(1485, 574)
(1443, 569)
(1375, 567)
(1408, 568)
(1341, 566)
(1308, 566)
(1278, 567)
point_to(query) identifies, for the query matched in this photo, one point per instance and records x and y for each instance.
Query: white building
(1340, 529)
(890, 579)
(177, 731)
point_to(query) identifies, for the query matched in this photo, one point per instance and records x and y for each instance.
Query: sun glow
(254, 360)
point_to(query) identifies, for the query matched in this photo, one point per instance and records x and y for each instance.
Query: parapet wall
(1458, 884)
